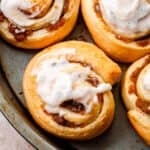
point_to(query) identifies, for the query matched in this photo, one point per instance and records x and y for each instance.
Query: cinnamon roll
(136, 96)
(34, 24)
(67, 88)
(120, 27)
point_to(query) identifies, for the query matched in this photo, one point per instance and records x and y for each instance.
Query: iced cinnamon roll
(67, 88)
(120, 27)
(34, 24)
(136, 96)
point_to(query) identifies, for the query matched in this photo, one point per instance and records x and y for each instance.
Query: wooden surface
(10, 139)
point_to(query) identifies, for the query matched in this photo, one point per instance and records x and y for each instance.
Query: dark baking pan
(120, 136)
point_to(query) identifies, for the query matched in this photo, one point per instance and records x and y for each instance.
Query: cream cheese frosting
(58, 81)
(12, 10)
(146, 81)
(127, 17)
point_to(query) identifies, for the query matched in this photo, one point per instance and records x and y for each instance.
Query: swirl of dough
(33, 24)
(71, 92)
(120, 27)
(136, 95)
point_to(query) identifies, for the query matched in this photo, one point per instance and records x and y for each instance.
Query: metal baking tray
(120, 136)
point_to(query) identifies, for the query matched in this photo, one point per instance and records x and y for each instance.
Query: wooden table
(10, 139)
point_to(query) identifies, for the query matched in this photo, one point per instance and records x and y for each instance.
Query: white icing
(126, 16)
(59, 80)
(146, 81)
(21, 30)
(11, 9)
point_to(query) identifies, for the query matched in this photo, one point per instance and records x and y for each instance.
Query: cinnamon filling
(2, 17)
(74, 106)
(61, 22)
(66, 7)
(143, 42)
(100, 98)
(93, 81)
(62, 121)
(19, 34)
(143, 105)
(53, 27)
(84, 64)
(97, 9)
(132, 89)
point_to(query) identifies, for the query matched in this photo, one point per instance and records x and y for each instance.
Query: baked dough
(75, 124)
(117, 47)
(45, 22)
(136, 96)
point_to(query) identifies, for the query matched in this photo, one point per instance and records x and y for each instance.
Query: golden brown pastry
(136, 96)
(120, 27)
(34, 24)
(67, 88)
